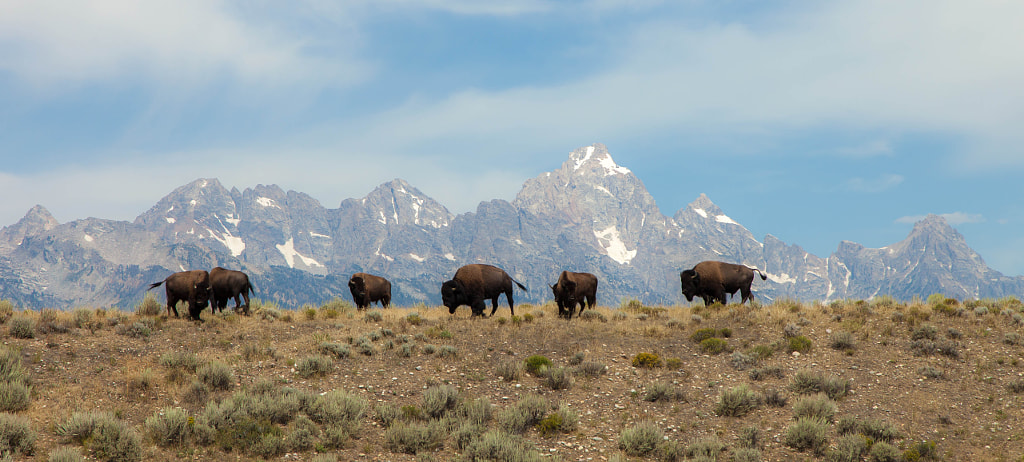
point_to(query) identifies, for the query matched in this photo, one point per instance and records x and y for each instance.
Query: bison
(475, 283)
(192, 287)
(367, 289)
(226, 284)
(574, 289)
(711, 280)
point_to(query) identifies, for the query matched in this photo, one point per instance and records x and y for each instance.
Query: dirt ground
(970, 411)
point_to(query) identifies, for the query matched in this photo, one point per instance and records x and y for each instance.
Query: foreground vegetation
(878, 380)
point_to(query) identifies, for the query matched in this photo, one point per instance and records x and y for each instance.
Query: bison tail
(520, 285)
(763, 276)
(155, 285)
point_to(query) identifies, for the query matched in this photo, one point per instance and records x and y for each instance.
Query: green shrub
(592, 369)
(373, 316)
(22, 326)
(884, 452)
(438, 400)
(849, 448)
(746, 455)
(559, 378)
(705, 448)
(7, 309)
(217, 375)
(806, 381)
(879, 430)
(169, 427)
(737, 401)
(65, 454)
(524, 414)
(108, 438)
(388, 414)
(149, 306)
(647, 360)
(713, 346)
(800, 344)
(339, 350)
(841, 340)
(815, 406)
(592, 315)
(564, 420)
(411, 438)
(475, 411)
(414, 319)
(641, 439)
(136, 329)
(496, 445)
(14, 396)
(509, 370)
(267, 311)
(663, 391)
(1016, 386)
(16, 435)
(11, 369)
(701, 335)
(447, 351)
(336, 407)
(302, 435)
(537, 364)
(316, 365)
(766, 372)
(180, 360)
(807, 433)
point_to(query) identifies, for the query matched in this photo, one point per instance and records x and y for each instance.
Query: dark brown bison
(574, 289)
(711, 280)
(226, 284)
(192, 287)
(475, 283)
(367, 289)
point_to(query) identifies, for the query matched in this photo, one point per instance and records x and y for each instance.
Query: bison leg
(386, 301)
(508, 295)
(746, 295)
(478, 308)
(172, 305)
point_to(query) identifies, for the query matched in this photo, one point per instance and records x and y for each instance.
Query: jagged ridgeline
(590, 215)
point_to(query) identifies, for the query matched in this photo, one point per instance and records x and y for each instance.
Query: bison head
(358, 287)
(453, 294)
(565, 293)
(202, 293)
(689, 281)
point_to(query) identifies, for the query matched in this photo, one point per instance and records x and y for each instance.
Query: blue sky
(815, 122)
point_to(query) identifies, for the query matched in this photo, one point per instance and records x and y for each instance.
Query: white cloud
(50, 43)
(955, 218)
(874, 185)
(869, 149)
(936, 67)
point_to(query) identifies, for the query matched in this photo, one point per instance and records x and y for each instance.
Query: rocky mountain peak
(37, 220)
(399, 203)
(593, 160)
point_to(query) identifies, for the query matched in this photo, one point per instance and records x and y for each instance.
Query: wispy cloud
(955, 218)
(868, 149)
(874, 185)
(53, 43)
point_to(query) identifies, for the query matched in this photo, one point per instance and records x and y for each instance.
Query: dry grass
(306, 384)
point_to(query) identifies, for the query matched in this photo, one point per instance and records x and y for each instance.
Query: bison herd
(472, 285)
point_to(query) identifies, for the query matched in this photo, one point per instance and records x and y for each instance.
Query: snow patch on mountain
(611, 241)
(725, 219)
(288, 251)
(267, 202)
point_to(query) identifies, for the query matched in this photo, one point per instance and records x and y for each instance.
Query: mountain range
(590, 214)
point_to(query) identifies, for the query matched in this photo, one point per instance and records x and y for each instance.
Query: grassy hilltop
(845, 381)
